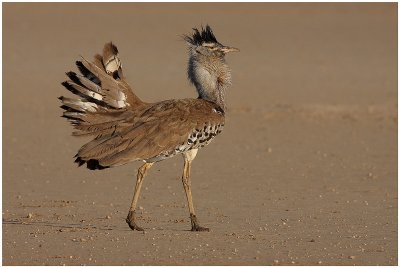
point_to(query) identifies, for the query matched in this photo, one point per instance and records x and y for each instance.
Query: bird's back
(160, 131)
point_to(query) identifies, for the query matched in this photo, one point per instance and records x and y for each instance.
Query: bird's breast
(197, 138)
(201, 137)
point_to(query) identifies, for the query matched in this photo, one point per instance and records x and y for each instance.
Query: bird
(124, 128)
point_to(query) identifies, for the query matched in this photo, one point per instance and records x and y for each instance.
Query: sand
(305, 172)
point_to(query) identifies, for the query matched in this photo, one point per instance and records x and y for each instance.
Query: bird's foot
(198, 228)
(195, 226)
(130, 220)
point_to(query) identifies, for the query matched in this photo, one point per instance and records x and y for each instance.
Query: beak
(229, 49)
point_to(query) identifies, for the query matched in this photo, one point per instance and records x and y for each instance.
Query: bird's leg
(130, 220)
(189, 156)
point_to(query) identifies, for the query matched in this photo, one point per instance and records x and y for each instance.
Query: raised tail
(102, 98)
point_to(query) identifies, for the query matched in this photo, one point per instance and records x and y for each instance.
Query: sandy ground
(305, 172)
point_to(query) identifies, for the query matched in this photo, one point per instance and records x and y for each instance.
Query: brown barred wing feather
(164, 130)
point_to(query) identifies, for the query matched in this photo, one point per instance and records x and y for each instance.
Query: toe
(200, 229)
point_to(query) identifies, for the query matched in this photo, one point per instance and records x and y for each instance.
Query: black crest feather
(199, 37)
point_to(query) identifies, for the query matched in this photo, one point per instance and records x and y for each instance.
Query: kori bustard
(127, 129)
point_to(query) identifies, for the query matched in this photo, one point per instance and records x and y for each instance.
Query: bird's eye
(209, 46)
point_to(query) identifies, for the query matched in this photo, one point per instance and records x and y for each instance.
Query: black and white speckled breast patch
(198, 138)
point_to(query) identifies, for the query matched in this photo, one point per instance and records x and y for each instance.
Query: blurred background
(311, 129)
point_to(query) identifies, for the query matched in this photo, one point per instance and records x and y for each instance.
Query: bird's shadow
(78, 226)
(58, 225)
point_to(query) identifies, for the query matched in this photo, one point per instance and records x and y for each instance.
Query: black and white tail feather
(102, 97)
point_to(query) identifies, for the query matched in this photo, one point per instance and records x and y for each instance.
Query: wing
(163, 130)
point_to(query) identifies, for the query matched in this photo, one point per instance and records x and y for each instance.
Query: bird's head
(207, 69)
(203, 43)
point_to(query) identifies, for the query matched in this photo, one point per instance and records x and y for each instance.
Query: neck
(211, 77)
